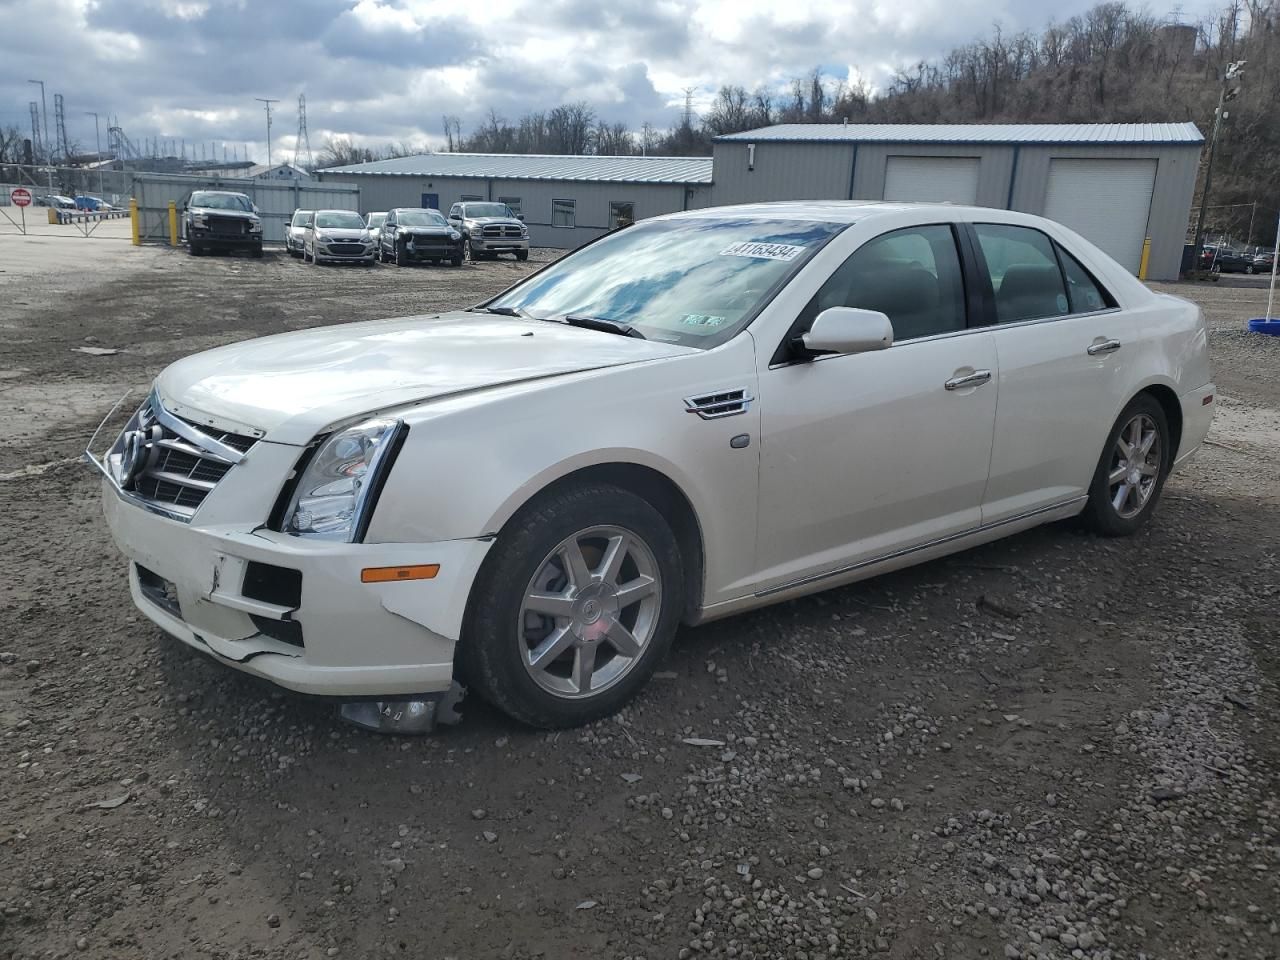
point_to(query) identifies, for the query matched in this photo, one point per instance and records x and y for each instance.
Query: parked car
(295, 231)
(92, 204)
(57, 201)
(1231, 260)
(1264, 261)
(489, 229)
(221, 220)
(707, 412)
(415, 233)
(337, 235)
(373, 224)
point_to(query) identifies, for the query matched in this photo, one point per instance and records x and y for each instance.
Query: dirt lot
(1052, 746)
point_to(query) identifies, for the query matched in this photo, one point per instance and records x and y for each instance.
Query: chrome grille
(510, 231)
(170, 462)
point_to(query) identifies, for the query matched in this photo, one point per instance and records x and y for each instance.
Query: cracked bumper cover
(360, 639)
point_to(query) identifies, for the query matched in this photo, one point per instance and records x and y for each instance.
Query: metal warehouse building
(1115, 184)
(565, 200)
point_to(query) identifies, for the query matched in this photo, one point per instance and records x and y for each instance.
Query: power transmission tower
(266, 102)
(303, 136)
(35, 130)
(60, 127)
(688, 106)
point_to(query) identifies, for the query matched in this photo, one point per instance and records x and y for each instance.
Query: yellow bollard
(173, 224)
(135, 228)
(1146, 256)
(53, 215)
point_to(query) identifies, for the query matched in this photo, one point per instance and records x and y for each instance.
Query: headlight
(322, 237)
(454, 235)
(333, 492)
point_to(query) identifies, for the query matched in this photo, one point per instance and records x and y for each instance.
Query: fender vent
(713, 406)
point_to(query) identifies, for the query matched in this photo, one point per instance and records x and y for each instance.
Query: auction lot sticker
(762, 251)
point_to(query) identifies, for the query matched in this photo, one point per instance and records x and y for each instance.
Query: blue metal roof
(520, 166)
(968, 133)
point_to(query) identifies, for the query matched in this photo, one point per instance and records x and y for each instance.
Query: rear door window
(1025, 276)
(1085, 293)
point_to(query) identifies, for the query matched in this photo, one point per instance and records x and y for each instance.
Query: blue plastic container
(1269, 327)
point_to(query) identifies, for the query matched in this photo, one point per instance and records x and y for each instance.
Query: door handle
(1106, 346)
(975, 379)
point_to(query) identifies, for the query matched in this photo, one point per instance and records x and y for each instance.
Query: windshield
(420, 218)
(221, 201)
(339, 220)
(694, 281)
(375, 220)
(302, 218)
(487, 210)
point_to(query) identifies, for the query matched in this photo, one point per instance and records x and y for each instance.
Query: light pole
(1230, 90)
(44, 112)
(97, 140)
(267, 103)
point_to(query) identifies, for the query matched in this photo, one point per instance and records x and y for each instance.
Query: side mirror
(848, 330)
(520, 217)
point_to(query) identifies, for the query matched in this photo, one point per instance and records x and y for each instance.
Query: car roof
(850, 211)
(413, 210)
(223, 193)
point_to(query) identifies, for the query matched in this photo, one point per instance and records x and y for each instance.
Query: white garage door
(932, 178)
(1105, 201)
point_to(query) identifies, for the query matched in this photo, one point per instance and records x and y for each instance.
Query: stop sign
(20, 196)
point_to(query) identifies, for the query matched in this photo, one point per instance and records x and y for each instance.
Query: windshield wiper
(604, 324)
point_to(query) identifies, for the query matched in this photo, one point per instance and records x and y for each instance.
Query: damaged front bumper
(295, 611)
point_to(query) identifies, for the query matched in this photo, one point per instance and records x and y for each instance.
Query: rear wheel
(1131, 472)
(575, 606)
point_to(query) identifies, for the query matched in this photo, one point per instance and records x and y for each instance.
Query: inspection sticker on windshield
(762, 251)
(702, 320)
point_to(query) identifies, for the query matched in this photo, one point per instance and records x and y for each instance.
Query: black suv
(218, 219)
(415, 233)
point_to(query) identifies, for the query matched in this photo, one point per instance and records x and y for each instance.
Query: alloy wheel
(1136, 461)
(589, 612)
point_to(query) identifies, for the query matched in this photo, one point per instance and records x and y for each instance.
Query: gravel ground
(1054, 746)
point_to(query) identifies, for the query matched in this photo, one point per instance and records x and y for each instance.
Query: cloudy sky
(386, 70)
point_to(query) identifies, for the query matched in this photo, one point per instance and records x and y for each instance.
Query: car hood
(290, 387)
(221, 212)
(487, 220)
(343, 233)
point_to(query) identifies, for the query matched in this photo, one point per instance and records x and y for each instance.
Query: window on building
(622, 213)
(912, 276)
(1024, 273)
(513, 203)
(563, 213)
(468, 198)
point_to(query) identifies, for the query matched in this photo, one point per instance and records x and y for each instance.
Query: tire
(522, 255)
(468, 252)
(256, 252)
(195, 249)
(382, 255)
(1248, 269)
(402, 255)
(501, 632)
(1101, 513)
(456, 261)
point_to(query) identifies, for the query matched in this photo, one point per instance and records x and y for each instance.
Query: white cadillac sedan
(697, 415)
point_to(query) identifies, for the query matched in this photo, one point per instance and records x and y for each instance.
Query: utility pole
(44, 112)
(266, 102)
(97, 142)
(35, 131)
(1230, 90)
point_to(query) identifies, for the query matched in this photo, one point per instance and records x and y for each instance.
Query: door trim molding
(907, 551)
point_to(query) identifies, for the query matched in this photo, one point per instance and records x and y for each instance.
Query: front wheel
(194, 248)
(574, 608)
(402, 254)
(456, 261)
(1131, 472)
(522, 255)
(257, 252)
(1249, 269)
(468, 251)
